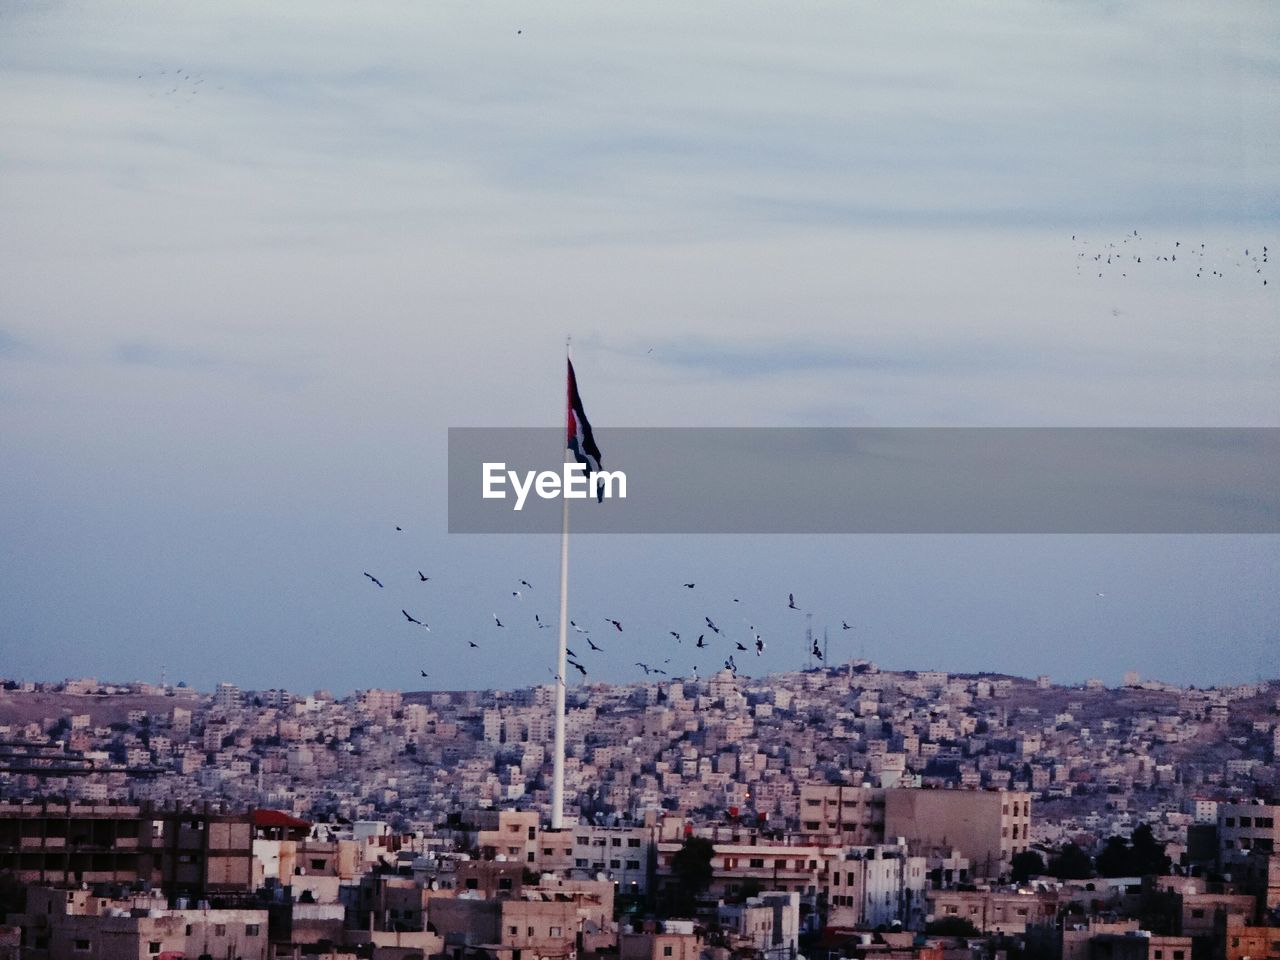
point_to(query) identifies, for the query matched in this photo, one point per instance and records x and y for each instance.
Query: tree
(691, 869)
(951, 927)
(1114, 860)
(1140, 856)
(1148, 853)
(1026, 865)
(1071, 863)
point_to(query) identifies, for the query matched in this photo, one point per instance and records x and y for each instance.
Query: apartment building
(185, 851)
(988, 827)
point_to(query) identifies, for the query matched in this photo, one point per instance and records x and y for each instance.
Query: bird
(517, 594)
(616, 623)
(844, 625)
(711, 624)
(816, 651)
(689, 586)
(674, 634)
(473, 645)
(643, 666)
(700, 644)
(399, 530)
(424, 673)
(663, 672)
(423, 577)
(576, 627)
(409, 618)
(526, 584)
(593, 646)
(791, 602)
(579, 667)
(570, 653)
(496, 620)
(374, 579)
(541, 626)
(736, 600)
(759, 645)
(739, 646)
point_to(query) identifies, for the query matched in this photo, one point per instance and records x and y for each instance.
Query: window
(952, 909)
(617, 841)
(533, 833)
(1198, 914)
(554, 931)
(757, 863)
(188, 929)
(220, 930)
(531, 857)
(633, 864)
(317, 864)
(153, 947)
(1229, 822)
(531, 931)
(472, 883)
(1246, 821)
(633, 842)
(251, 929)
(504, 883)
(1178, 954)
(666, 950)
(584, 841)
(82, 945)
(512, 930)
(812, 825)
(615, 864)
(580, 862)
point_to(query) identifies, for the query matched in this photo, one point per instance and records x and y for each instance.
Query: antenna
(808, 640)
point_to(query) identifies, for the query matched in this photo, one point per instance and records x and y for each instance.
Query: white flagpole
(557, 776)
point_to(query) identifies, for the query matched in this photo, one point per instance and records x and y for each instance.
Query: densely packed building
(850, 811)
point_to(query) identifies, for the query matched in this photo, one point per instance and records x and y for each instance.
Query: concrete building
(768, 924)
(76, 925)
(183, 851)
(986, 826)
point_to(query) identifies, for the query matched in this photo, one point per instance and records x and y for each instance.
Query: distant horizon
(1263, 682)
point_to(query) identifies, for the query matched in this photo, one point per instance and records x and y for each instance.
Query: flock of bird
(180, 84)
(1133, 252)
(710, 632)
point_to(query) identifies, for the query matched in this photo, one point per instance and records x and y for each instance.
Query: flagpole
(557, 775)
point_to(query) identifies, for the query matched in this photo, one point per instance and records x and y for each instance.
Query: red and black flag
(580, 439)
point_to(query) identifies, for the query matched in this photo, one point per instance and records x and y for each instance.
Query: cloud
(11, 346)
(144, 354)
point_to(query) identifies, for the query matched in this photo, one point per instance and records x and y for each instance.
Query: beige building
(988, 827)
(184, 851)
(74, 925)
(994, 911)
(841, 815)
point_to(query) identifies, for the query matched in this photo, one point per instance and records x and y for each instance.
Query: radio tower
(808, 640)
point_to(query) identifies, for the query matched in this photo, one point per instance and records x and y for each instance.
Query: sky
(256, 259)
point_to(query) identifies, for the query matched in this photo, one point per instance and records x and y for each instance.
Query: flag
(580, 440)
